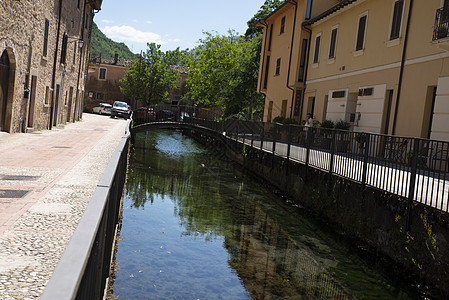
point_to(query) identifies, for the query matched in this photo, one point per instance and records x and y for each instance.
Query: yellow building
(382, 65)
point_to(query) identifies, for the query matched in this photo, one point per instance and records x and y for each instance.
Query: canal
(195, 226)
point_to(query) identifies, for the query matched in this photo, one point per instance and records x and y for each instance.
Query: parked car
(120, 109)
(102, 109)
(165, 115)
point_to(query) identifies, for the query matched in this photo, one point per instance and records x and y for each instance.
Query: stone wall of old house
(33, 74)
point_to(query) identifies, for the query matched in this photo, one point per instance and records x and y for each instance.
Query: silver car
(102, 109)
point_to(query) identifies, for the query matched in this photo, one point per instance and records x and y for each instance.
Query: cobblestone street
(46, 181)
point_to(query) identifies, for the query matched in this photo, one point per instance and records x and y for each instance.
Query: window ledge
(331, 61)
(315, 65)
(395, 42)
(359, 52)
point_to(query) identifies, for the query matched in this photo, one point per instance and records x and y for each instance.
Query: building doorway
(4, 84)
(56, 111)
(69, 109)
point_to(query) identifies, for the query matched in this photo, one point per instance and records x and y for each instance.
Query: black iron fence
(84, 268)
(441, 28)
(413, 168)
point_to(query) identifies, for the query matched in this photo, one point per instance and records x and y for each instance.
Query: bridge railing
(413, 168)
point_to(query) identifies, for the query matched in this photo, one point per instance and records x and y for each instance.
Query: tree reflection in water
(275, 249)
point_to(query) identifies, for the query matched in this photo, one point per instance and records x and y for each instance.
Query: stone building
(103, 81)
(44, 47)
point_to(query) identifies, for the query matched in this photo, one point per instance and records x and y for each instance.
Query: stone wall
(22, 27)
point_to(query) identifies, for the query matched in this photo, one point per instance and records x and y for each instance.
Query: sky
(172, 23)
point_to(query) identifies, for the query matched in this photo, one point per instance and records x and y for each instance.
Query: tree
(212, 60)
(150, 77)
(265, 10)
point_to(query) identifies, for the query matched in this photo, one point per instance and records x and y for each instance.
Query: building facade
(44, 47)
(103, 81)
(382, 65)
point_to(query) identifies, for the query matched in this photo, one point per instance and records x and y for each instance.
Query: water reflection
(217, 214)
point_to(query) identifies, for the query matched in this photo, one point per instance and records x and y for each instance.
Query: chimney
(116, 58)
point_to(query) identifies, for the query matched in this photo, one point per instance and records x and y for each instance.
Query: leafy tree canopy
(151, 76)
(265, 10)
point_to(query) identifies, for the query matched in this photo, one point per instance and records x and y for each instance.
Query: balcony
(441, 27)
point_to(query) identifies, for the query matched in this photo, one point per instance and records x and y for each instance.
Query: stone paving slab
(60, 170)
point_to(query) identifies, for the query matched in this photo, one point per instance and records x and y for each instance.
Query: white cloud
(130, 34)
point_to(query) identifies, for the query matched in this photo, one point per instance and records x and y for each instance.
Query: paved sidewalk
(46, 181)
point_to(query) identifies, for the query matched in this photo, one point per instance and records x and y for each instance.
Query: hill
(105, 47)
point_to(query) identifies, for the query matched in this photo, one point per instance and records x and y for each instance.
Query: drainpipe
(291, 54)
(78, 90)
(305, 72)
(401, 73)
(55, 62)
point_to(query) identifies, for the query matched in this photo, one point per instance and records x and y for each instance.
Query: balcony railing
(441, 27)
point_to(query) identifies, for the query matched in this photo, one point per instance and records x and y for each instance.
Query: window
(282, 25)
(397, 19)
(102, 74)
(360, 43)
(64, 48)
(316, 54)
(47, 95)
(339, 94)
(333, 43)
(86, 23)
(278, 66)
(271, 35)
(100, 96)
(265, 83)
(297, 103)
(302, 63)
(366, 91)
(74, 52)
(79, 4)
(47, 25)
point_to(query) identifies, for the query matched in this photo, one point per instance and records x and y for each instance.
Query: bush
(327, 124)
(282, 120)
(291, 121)
(342, 125)
(279, 119)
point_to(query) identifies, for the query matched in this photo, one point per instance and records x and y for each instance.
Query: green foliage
(342, 125)
(150, 77)
(286, 121)
(223, 74)
(327, 124)
(102, 46)
(265, 10)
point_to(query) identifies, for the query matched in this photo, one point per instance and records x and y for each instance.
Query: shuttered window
(361, 33)
(302, 63)
(397, 19)
(45, 49)
(316, 54)
(333, 43)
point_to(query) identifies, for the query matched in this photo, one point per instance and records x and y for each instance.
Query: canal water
(196, 227)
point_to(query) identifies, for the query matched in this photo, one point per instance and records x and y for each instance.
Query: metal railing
(441, 28)
(84, 267)
(412, 168)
